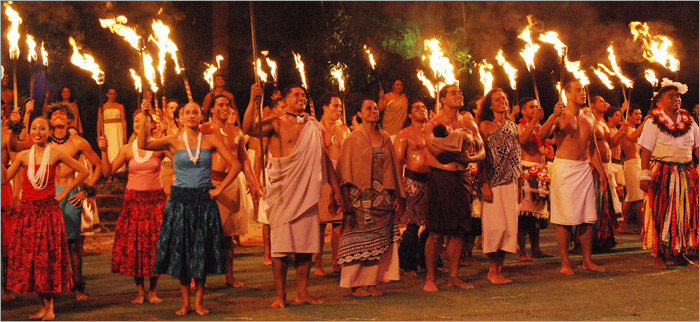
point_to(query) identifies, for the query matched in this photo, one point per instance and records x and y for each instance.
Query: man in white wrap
(572, 194)
(296, 171)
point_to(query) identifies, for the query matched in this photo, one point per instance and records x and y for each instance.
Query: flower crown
(682, 88)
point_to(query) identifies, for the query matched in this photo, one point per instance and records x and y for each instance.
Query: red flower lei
(674, 130)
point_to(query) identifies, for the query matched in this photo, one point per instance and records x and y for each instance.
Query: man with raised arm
(297, 169)
(449, 199)
(572, 194)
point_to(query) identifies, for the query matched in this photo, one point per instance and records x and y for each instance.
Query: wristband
(88, 189)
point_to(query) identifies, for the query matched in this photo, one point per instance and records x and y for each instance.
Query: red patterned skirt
(38, 259)
(7, 218)
(136, 236)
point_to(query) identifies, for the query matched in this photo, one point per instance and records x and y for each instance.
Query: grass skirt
(189, 245)
(136, 236)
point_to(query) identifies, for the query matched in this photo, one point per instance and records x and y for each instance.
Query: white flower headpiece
(682, 88)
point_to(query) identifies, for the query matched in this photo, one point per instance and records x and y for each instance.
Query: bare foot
(183, 310)
(469, 261)
(497, 278)
(540, 254)
(279, 303)
(307, 299)
(267, 262)
(38, 315)
(235, 283)
(138, 299)
(319, 271)
(430, 286)
(200, 309)
(80, 296)
(153, 298)
(566, 269)
(360, 292)
(456, 282)
(374, 291)
(593, 267)
(410, 273)
(525, 258)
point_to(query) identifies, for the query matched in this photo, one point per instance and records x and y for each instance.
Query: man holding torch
(219, 83)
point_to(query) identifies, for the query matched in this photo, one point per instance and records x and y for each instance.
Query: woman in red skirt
(138, 226)
(38, 259)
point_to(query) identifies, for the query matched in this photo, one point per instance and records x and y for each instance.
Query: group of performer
(486, 170)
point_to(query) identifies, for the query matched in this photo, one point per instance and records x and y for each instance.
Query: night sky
(324, 33)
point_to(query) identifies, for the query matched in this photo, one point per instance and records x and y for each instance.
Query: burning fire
(258, 70)
(552, 37)
(601, 73)
(654, 48)
(510, 70)
(150, 72)
(439, 63)
(165, 46)
(651, 77)
(13, 33)
(617, 69)
(209, 73)
(31, 55)
(575, 68)
(528, 53)
(563, 97)
(485, 70)
(300, 67)
(371, 57)
(86, 62)
(44, 55)
(118, 27)
(272, 64)
(337, 73)
(137, 80)
(428, 84)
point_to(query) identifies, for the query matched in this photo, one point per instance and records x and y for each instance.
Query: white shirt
(652, 135)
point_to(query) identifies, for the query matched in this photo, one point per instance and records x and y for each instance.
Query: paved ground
(631, 290)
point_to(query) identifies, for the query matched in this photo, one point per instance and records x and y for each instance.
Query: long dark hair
(486, 113)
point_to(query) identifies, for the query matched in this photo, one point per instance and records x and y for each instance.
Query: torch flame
(258, 69)
(601, 73)
(485, 70)
(439, 63)
(149, 71)
(563, 97)
(528, 52)
(654, 48)
(337, 73)
(651, 77)
(552, 37)
(117, 26)
(86, 62)
(616, 68)
(575, 68)
(31, 55)
(371, 57)
(165, 46)
(137, 80)
(44, 55)
(428, 84)
(13, 33)
(209, 73)
(510, 70)
(300, 67)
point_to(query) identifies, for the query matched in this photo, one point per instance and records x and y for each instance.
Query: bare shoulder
(488, 127)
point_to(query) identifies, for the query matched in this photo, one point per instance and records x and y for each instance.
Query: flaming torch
(150, 74)
(302, 72)
(337, 73)
(426, 82)
(13, 39)
(625, 81)
(485, 70)
(31, 57)
(552, 37)
(651, 77)
(86, 62)
(165, 46)
(209, 73)
(602, 72)
(260, 106)
(273, 67)
(374, 65)
(655, 48)
(440, 65)
(137, 80)
(45, 60)
(528, 54)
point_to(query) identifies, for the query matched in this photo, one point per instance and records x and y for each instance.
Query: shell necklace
(187, 146)
(221, 130)
(137, 157)
(39, 178)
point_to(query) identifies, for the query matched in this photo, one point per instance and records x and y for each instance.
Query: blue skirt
(189, 245)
